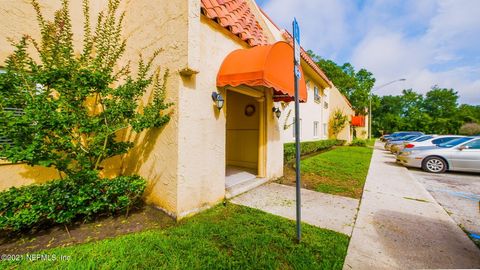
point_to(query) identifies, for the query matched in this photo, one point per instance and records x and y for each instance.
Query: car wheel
(434, 165)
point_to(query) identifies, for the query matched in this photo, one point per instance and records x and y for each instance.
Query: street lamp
(370, 105)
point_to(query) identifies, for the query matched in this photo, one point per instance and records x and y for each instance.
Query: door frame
(259, 96)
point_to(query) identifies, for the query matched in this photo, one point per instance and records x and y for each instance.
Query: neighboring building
(360, 124)
(340, 102)
(203, 153)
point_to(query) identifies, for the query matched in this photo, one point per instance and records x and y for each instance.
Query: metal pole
(370, 118)
(370, 104)
(296, 73)
(297, 160)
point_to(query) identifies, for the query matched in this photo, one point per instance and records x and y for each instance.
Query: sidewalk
(400, 225)
(327, 211)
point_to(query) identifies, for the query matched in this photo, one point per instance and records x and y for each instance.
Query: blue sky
(427, 42)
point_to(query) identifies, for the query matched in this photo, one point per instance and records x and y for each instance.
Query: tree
(436, 112)
(469, 113)
(74, 106)
(441, 104)
(411, 104)
(337, 122)
(356, 86)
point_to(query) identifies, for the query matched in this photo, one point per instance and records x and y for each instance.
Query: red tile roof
(288, 37)
(237, 17)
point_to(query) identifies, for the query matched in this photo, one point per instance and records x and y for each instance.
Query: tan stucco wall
(155, 155)
(201, 131)
(338, 101)
(19, 18)
(202, 128)
(184, 162)
(20, 174)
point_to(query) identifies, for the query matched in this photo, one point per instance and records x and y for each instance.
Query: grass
(225, 237)
(341, 171)
(414, 199)
(371, 142)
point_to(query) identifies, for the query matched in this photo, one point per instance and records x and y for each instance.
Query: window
(455, 142)
(423, 138)
(324, 129)
(316, 94)
(315, 129)
(473, 145)
(442, 140)
(325, 105)
(300, 124)
(15, 111)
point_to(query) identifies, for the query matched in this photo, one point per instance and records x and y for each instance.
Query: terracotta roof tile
(236, 17)
(308, 59)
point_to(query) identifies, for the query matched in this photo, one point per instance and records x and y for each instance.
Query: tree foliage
(435, 112)
(338, 121)
(76, 105)
(355, 85)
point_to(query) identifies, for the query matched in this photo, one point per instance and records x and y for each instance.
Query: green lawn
(231, 237)
(371, 142)
(341, 171)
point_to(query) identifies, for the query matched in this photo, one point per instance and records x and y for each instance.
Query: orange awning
(269, 66)
(358, 121)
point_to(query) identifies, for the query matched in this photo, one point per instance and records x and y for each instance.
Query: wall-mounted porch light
(277, 112)
(218, 99)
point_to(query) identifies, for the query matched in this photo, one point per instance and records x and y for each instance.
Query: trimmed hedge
(359, 142)
(68, 200)
(308, 148)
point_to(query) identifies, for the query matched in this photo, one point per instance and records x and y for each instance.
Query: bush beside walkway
(307, 148)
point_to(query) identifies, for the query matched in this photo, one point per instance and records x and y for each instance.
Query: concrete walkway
(400, 225)
(318, 209)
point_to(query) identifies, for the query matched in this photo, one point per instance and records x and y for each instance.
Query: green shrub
(64, 201)
(308, 148)
(470, 129)
(359, 142)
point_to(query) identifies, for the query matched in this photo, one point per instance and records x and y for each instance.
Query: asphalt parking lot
(458, 193)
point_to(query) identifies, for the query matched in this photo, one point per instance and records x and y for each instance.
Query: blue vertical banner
(296, 75)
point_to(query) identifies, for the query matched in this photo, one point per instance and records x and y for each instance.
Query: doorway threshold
(239, 180)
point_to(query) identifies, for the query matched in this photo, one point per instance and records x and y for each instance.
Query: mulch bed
(147, 217)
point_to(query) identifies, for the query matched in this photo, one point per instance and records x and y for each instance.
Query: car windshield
(408, 137)
(454, 142)
(422, 138)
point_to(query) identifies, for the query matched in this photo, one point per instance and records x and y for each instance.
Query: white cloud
(441, 55)
(428, 42)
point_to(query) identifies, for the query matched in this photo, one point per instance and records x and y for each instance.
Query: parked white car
(436, 140)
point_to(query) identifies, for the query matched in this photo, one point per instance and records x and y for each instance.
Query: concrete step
(244, 186)
(238, 178)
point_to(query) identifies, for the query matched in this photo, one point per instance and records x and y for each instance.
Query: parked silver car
(398, 146)
(462, 154)
(435, 140)
(390, 142)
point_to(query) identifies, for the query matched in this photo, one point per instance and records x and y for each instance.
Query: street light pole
(370, 105)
